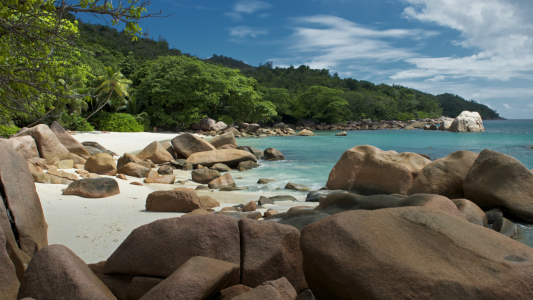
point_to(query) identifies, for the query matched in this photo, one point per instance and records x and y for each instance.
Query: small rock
(265, 200)
(199, 211)
(341, 134)
(65, 164)
(305, 132)
(250, 206)
(273, 154)
(178, 200)
(79, 167)
(223, 181)
(165, 170)
(282, 198)
(265, 181)
(301, 207)
(177, 163)
(270, 213)
(62, 174)
(229, 189)
(297, 187)
(231, 209)
(247, 165)
(187, 167)
(208, 202)
(122, 176)
(201, 187)
(221, 167)
(204, 175)
(137, 183)
(93, 188)
(102, 164)
(494, 215)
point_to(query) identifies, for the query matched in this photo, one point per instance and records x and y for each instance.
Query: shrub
(74, 122)
(7, 131)
(119, 122)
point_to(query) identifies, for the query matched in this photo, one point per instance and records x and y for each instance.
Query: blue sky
(478, 49)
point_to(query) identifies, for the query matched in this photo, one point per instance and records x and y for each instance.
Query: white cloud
(499, 31)
(244, 31)
(247, 7)
(328, 41)
(530, 104)
(506, 105)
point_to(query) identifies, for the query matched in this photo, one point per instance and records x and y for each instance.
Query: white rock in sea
(467, 122)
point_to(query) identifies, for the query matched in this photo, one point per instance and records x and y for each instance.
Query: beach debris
(204, 175)
(296, 187)
(67, 277)
(250, 206)
(187, 144)
(93, 188)
(156, 153)
(225, 180)
(178, 200)
(102, 164)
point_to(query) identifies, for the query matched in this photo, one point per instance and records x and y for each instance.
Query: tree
(37, 48)
(182, 90)
(324, 104)
(113, 83)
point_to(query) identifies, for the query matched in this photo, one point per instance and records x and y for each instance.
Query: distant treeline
(171, 89)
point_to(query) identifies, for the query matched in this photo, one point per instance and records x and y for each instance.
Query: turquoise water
(310, 159)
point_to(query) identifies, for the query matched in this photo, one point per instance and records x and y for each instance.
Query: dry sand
(94, 228)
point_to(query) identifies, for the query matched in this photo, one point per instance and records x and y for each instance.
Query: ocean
(310, 159)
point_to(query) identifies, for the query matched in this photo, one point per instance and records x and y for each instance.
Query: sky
(481, 50)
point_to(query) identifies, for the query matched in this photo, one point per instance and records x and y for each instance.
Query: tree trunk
(100, 107)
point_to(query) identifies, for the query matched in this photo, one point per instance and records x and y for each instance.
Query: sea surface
(309, 160)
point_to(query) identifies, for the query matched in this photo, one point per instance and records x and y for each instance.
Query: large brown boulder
(270, 251)
(445, 176)
(273, 154)
(161, 247)
(68, 141)
(133, 169)
(280, 289)
(497, 180)
(140, 285)
(187, 144)
(412, 253)
(368, 170)
(223, 181)
(224, 139)
(93, 188)
(9, 284)
(55, 273)
(25, 146)
(204, 175)
(198, 278)
(178, 200)
(229, 157)
(156, 153)
(471, 212)
(26, 221)
(101, 164)
(50, 148)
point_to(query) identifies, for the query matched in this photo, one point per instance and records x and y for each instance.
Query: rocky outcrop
(161, 247)
(219, 126)
(406, 253)
(101, 164)
(224, 139)
(187, 144)
(229, 157)
(305, 132)
(497, 180)
(369, 170)
(55, 272)
(446, 124)
(156, 153)
(9, 284)
(50, 148)
(198, 278)
(258, 153)
(445, 176)
(21, 213)
(93, 188)
(68, 141)
(279, 249)
(467, 122)
(178, 200)
(25, 146)
(471, 212)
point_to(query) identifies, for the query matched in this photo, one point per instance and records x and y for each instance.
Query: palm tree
(135, 108)
(113, 82)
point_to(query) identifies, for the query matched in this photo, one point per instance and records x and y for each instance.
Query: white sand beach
(94, 228)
